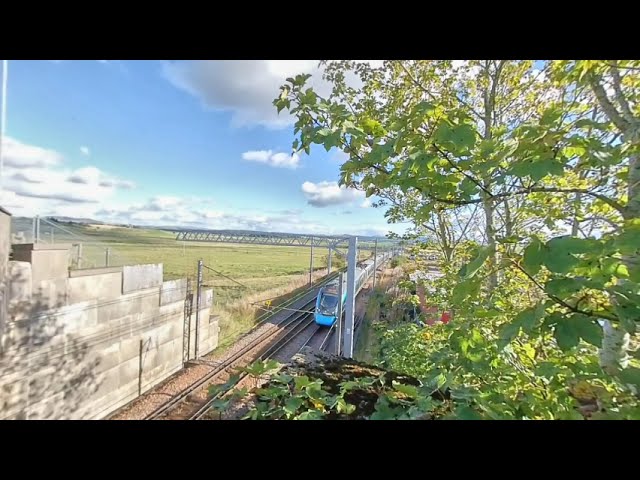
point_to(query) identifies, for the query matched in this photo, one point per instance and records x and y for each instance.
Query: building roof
(4, 211)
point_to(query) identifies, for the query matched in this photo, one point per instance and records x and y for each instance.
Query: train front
(327, 305)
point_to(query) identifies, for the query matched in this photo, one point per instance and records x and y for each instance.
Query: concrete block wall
(81, 344)
(5, 246)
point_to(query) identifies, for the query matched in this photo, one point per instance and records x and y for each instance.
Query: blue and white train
(327, 300)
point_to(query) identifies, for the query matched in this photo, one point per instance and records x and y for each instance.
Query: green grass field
(257, 267)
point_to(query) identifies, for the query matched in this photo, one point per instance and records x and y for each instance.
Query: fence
(86, 252)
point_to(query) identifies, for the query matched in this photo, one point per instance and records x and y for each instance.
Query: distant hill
(26, 223)
(75, 220)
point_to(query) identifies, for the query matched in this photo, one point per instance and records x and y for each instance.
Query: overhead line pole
(347, 349)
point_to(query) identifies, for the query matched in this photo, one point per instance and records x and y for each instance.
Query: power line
(225, 276)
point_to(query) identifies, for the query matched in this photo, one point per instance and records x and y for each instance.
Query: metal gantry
(268, 238)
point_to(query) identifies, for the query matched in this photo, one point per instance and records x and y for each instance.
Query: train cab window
(328, 303)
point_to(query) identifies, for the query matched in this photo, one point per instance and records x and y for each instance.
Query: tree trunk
(447, 249)
(576, 210)
(615, 341)
(613, 354)
(487, 205)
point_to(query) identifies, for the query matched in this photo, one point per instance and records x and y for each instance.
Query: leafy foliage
(495, 162)
(345, 389)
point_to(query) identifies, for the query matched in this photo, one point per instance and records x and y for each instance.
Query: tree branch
(424, 89)
(624, 105)
(622, 66)
(607, 107)
(562, 302)
(612, 203)
(477, 182)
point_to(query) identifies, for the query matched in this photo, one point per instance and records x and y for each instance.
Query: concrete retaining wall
(80, 345)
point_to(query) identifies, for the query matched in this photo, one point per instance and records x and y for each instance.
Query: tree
(540, 147)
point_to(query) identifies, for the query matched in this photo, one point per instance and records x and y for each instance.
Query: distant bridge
(282, 239)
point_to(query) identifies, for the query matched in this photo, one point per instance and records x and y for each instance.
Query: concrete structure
(81, 344)
(5, 246)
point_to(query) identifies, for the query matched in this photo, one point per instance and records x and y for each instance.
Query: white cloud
(279, 159)
(366, 203)
(21, 155)
(47, 187)
(246, 88)
(36, 182)
(85, 151)
(329, 193)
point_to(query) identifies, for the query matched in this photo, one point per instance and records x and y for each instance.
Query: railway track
(212, 367)
(188, 401)
(282, 347)
(279, 341)
(305, 334)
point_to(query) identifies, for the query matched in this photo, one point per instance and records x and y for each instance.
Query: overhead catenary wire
(225, 276)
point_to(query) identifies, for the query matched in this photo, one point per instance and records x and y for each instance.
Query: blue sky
(194, 143)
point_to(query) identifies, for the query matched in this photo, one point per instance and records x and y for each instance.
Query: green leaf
(302, 381)
(465, 289)
(630, 375)
(628, 242)
(588, 329)
(525, 320)
(343, 407)
(457, 139)
(468, 188)
(506, 333)
(569, 330)
(628, 312)
(534, 256)
(469, 270)
(410, 391)
(424, 107)
(310, 415)
(563, 287)
(566, 335)
(465, 412)
(528, 318)
(292, 405)
(281, 378)
(562, 250)
(373, 127)
(383, 411)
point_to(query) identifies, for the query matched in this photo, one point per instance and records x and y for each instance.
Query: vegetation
(340, 389)
(526, 176)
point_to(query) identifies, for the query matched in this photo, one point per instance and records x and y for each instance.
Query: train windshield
(328, 304)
